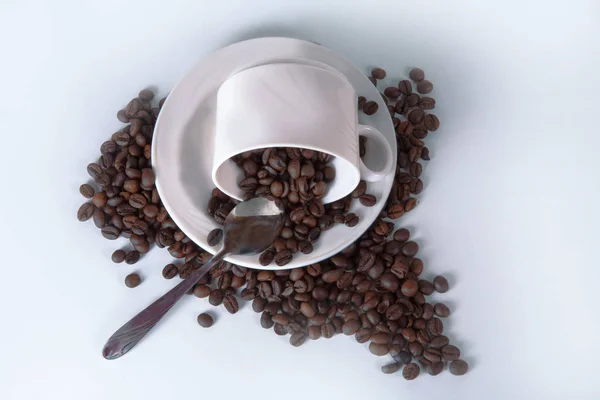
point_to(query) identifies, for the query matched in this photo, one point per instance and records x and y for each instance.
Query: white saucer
(183, 142)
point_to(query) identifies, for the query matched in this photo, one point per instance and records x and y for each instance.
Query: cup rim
(330, 71)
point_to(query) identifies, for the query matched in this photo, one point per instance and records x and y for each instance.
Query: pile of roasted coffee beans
(372, 290)
(299, 178)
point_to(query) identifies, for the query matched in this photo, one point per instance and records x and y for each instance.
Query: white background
(509, 213)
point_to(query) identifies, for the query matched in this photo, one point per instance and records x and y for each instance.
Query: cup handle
(383, 145)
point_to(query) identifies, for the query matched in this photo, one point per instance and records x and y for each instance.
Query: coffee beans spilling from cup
(299, 178)
(372, 290)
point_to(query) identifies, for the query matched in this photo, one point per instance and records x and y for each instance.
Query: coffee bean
(100, 199)
(298, 338)
(435, 326)
(392, 92)
(249, 184)
(361, 102)
(439, 342)
(441, 310)
(391, 368)
(405, 87)
(458, 367)
(99, 218)
(424, 87)
(132, 257)
(440, 284)
(370, 107)
(86, 191)
(266, 258)
(432, 122)
(367, 200)
(118, 256)
(411, 371)
(410, 249)
(327, 330)
(373, 80)
(148, 178)
(122, 116)
(416, 74)
(110, 232)
(360, 190)
(283, 257)
(450, 353)
(409, 288)
(378, 73)
(351, 220)
(412, 100)
(205, 320)
(85, 212)
(415, 348)
(132, 280)
(216, 297)
(351, 327)
(94, 170)
(435, 368)
(333, 275)
(170, 271)
(416, 116)
(265, 320)
(314, 332)
(316, 208)
(231, 304)
(378, 349)
(215, 236)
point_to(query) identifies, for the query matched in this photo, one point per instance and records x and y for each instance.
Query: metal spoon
(251, 227)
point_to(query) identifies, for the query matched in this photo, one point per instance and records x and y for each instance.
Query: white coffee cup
(294, 105)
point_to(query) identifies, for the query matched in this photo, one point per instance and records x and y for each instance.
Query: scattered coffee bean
(86, 191)
(431, 122)
(424, 87)
(450, 352)
(205, 320)
(378, 73)
(351, 220)
(416, 74)
(441, 310)
(132, 257)
(367, 200)
(458, 367)
(231, 304)
(391, 368)
(405, 87)
(118, 256)
(379, 349)
(85, 212)
(410, 249)
(215, 236)
(411, 371)
(370, 107)
(440, 284)
(435, 368)
(132, 280)
(298, 338)
(170, 271)
(216, 297)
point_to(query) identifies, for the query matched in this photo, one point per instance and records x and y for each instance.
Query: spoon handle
(133, 331)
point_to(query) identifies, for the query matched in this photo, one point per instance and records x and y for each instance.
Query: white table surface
(509, 212)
